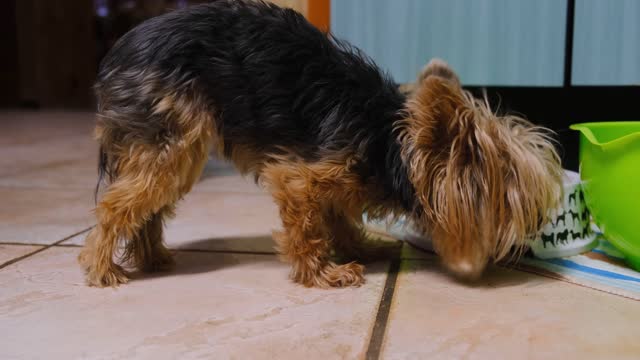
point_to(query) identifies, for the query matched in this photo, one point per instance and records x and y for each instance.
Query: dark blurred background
(52, 47)
(51, 50)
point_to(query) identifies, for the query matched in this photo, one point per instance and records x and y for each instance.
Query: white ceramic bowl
(569, 232)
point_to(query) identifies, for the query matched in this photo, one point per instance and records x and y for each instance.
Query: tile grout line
(59, 244)
(43, 248)
(12, 243)
(4, 184)
(382, 316)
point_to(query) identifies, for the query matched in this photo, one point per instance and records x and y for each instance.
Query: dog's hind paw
(111, 277)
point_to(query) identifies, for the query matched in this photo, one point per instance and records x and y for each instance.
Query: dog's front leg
(308, 236)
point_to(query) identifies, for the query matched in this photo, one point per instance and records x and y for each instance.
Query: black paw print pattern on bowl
(569, 231)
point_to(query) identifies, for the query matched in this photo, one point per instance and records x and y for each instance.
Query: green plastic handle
(613, 145)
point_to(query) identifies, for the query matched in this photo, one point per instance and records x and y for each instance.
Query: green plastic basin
(610, 170)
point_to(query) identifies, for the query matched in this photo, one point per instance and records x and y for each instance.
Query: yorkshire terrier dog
(319, 126)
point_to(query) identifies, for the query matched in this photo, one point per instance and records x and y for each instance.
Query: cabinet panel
(489, 42)
(606, 48)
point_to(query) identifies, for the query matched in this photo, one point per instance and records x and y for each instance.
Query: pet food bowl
(610, 170)
(568, 231)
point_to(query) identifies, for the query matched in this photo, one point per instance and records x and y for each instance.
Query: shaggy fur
(321, 127)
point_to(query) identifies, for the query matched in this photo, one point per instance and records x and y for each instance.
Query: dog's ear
(450, 158)
(435, 68)
(438, 67)
(432, 111)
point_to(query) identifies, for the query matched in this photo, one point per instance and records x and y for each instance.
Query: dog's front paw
(351, 274)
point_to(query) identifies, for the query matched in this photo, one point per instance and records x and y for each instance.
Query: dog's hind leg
(146, 249)
(149, 179)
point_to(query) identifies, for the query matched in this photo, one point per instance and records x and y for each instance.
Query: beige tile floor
(229, 296)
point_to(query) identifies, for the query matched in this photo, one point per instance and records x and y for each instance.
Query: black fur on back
(273, 80)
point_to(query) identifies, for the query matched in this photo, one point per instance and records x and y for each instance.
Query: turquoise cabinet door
(488, 42)
(606, 45)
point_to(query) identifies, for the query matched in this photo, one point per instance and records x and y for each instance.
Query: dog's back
(271, 80)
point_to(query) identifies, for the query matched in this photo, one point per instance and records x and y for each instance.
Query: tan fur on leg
(150, 179)
(352, 243)
(348, 236)
(113, 274)
(97, 259)
(306, 195)
(146, 250)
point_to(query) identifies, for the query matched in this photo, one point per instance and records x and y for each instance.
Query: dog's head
(485, 182)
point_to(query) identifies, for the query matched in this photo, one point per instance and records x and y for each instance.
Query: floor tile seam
(62, 244)
(43, 248)
(376, 338)
(4, 185)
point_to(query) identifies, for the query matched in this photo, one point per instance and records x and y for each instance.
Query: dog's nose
(465, 269)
